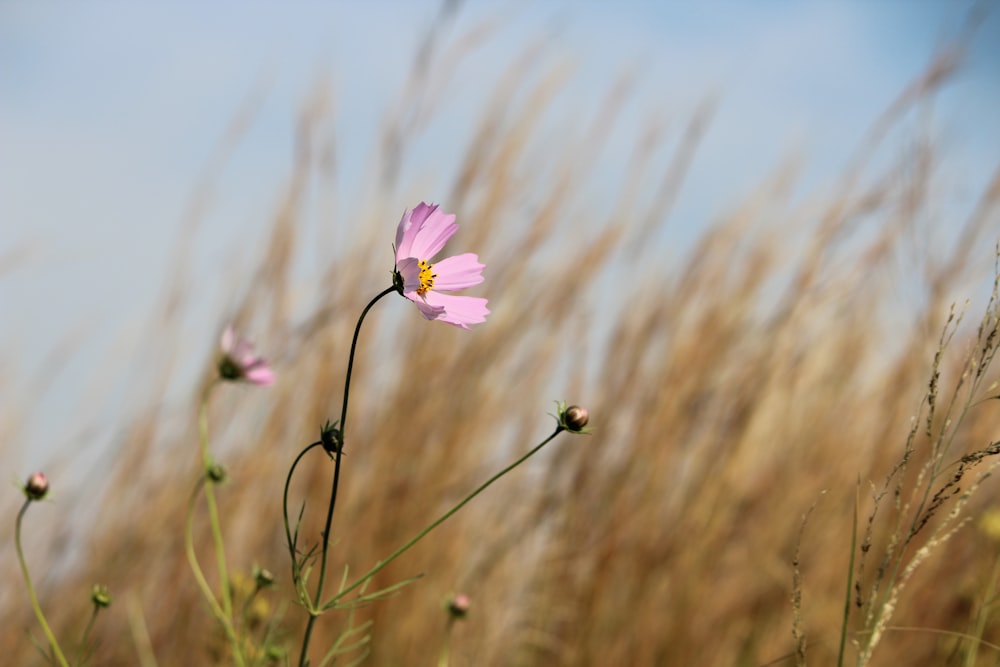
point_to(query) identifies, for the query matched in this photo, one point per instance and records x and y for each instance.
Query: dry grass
(728, 390)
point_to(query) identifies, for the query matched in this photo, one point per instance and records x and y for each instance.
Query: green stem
(31, 589)
(444, 517)
(86, 635)
(982, 615)
(223, 612)
(293, 539)
(445, 655)
(314, 613)
(81, 653)
(213, 510)
(199, 576)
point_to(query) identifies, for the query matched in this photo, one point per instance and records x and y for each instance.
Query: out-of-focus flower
(37, 486)
(238, 361)
(100, 596)
(420, 236)
(989, 524)
(458, 606)
(262, 577)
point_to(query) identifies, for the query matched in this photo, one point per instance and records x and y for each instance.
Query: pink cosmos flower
(420, 236)
(239, 362)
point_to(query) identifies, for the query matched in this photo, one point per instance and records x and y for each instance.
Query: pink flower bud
(459, 605)
(36, 487)
(576, 418)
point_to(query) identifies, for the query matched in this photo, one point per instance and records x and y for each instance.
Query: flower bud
(263, 577)
(459, 605)
(576, 418)
(100, 597)
(217, 473)
(37, 486)
(332, 438)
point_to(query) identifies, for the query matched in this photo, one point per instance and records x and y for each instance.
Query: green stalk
(223, 612)
(444, 517)
(203, 584)
(81, 654)
(31, 589)
(445, 656)
(213, 511)
(313, 612)
(981, 616)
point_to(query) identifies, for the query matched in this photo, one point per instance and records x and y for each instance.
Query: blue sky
(109, 112)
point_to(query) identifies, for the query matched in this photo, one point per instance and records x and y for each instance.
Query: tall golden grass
(730, 387)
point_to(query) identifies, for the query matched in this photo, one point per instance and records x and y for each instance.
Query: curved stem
(350, 360)
(336, 474)
(203, 584)
(220, 553)
(444, 517)
(292, 540)
(31, 589)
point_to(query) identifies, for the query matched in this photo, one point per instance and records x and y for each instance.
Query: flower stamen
(426, 277)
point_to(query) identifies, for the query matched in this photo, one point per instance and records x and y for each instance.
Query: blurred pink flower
(239, 362)
(420, 236)
(459, 605)
(37, 486)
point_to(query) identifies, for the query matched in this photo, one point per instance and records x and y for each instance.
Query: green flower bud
(100, 597)
(263, 577)
(217, 473)
(332, 438)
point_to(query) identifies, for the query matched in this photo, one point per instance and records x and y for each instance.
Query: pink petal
(428, 311)
(261, 374)
(409, 269)
(458, 272)
(405, 232)
(228, 339)
(424, 232)
(243, 352)
(433, 234)
(459, 311)
(421, 212)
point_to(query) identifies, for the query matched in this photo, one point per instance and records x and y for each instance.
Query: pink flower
(420, 236)
(239, 362)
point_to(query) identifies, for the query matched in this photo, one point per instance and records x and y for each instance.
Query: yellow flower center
(426, 277)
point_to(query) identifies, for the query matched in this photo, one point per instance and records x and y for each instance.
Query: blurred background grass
(781, 354)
